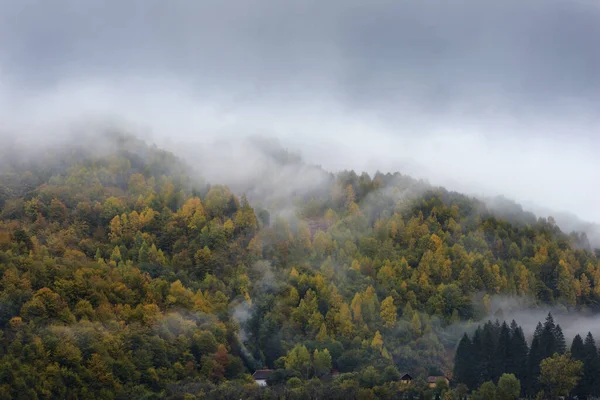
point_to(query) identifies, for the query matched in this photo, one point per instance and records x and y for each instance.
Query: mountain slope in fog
(129, 272)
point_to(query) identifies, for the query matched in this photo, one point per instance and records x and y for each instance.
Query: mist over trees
(125, 275)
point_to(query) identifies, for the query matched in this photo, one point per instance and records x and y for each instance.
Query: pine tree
(519, 354)
(488, 351)
(577, 348)
(503, 351)
(477, 357)
(561, 344)
(536, 355)
(591, 367)
(548, 339)
(463, 363)
(578, 354)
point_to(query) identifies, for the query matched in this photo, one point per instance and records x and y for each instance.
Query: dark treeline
(496, 349)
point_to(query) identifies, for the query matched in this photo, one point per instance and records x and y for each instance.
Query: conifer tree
(519, 353)
(503, 350)
(578, 354)
(464, 362)
(488, 351)
(477, 357)
(536, 355)
(559, 337)
(548, 338)
(591, 367)
(577, 348)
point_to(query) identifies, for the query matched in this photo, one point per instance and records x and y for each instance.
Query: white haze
(527, 315)
(495, 98)
(548, 171)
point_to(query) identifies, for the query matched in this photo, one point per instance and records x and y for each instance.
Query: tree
(509, 387)
(518, 352)
(503, 350)
(561, 345)
(463, 363)
(578, 353)
(536, 355)
(415, 324)
(298, 359)
(377, 342)
(490, 367)
(577, 348)
(477, 358)
(548, 342)
(591, 367)
(322, 335)
(322, 362)
(559, 374)
(388, 312)
(487, 391)
(356, 308)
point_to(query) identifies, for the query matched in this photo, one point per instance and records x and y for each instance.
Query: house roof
(262, 373)
(434, 379)
(405, 375)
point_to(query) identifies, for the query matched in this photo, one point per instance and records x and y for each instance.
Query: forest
(499, 353)
(124, 275)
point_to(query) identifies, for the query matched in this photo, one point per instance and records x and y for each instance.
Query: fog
(486, 98)
(527, 314)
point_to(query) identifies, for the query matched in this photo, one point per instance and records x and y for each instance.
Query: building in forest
(261, 375)
(405, 378)
(432, 381)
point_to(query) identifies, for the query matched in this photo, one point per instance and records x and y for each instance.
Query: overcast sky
(492, 97)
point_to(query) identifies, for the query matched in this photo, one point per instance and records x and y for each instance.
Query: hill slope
(123, 277)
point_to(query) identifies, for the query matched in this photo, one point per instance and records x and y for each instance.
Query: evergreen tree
(577, 348)
(559, 338)
(591, 367)
(477, 357)
(503, 351)
(536, 355)
(578, 354)
(519, 352)
(548, 338)
(488, 351)
(464, 362)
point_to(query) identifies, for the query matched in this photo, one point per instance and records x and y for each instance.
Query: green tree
(298, 359)
(463, 362)
(415, 324)
(559, 374)
(591, 367)
(518, 352)
(487, 391)
(578, 352)
(322, 362)
(509, 387)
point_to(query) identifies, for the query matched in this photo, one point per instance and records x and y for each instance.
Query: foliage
(559, 374)
(122, 275)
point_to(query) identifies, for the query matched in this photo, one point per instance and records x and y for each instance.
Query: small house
(260, 376)
(432, 380)
(405, 378)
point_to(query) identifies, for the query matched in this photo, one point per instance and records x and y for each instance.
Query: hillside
(125, 275)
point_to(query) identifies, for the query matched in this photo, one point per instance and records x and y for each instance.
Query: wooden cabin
(405, 378)
(261, 375)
